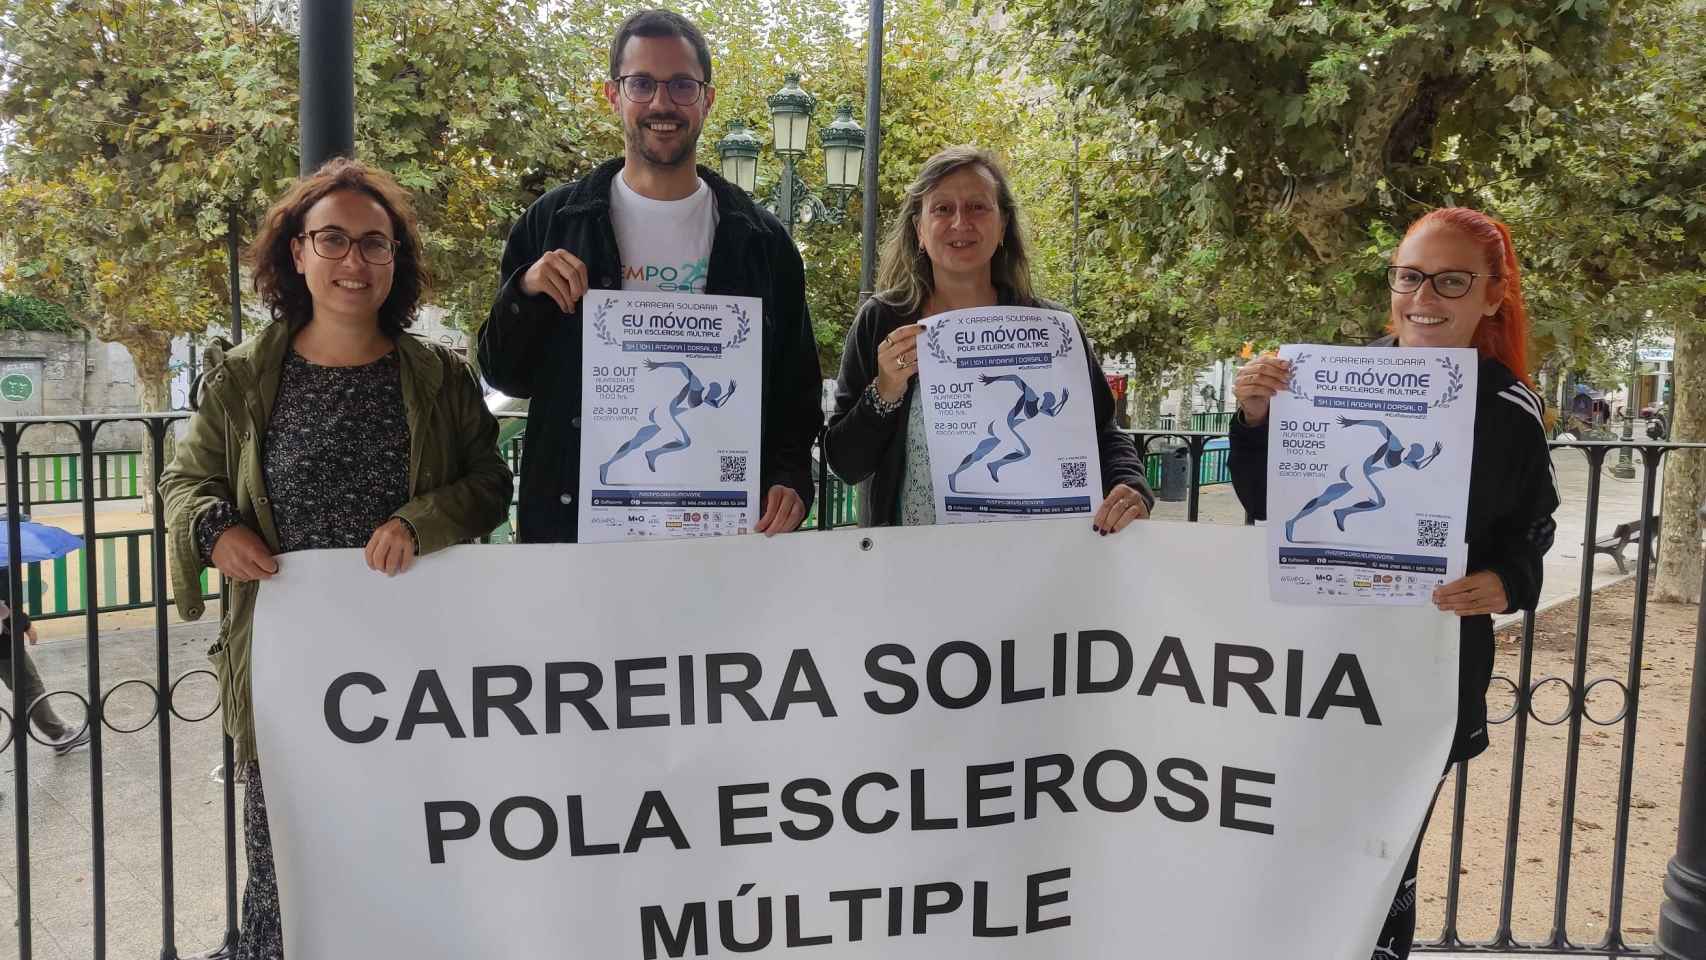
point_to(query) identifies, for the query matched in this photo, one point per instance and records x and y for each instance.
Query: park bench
(1621, 537)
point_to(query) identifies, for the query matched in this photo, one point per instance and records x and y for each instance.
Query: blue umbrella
(37, 542)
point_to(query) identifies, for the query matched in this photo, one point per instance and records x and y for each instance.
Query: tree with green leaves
(142, 133)
(1308, 123)
(1269, 154)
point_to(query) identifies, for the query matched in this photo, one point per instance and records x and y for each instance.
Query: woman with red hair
(1455, 282)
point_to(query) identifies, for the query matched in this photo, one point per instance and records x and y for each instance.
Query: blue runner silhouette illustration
(1391, 453)
(693, 393)
(1027, 407)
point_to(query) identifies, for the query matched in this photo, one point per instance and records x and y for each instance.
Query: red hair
(1504, 335)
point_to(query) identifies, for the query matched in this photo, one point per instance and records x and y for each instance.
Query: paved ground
(61, 821)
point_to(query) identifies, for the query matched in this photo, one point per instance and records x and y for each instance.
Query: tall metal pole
(327, 81)
(785, 194)
(873, 143)
(1625, 469)
(10, 434)
(231, 255)
(1682, 919)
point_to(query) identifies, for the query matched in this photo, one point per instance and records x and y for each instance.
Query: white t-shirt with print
(665, 244)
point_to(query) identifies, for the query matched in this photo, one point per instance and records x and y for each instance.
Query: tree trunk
(1146, 409)
(151, 351)
(1187, 396)
(1685, 470)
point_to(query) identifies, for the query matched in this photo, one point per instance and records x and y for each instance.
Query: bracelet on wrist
(883, 408)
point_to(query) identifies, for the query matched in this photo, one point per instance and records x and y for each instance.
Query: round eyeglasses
(333, 244)
(683, 91)
(1450, 284)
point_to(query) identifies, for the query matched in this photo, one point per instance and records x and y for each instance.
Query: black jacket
(528, 348)
(18, 620)
(1512, 494)
(865, 448)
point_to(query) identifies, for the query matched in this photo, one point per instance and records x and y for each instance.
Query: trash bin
(1175, 474)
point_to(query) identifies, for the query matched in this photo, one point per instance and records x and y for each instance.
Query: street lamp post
(790, 122)
(1682, 917)
(739, 150)
(791, 110)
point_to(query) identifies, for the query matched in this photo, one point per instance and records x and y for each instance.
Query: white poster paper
(1007, 403)
(1368, 473)
(987, 741)
(670, 416)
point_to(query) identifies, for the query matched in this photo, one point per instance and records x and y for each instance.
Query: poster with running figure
(1368, 473)
(1006, 394)
(669, 415)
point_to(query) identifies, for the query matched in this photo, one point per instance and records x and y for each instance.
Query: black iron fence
(53, 478)
(1682, 930)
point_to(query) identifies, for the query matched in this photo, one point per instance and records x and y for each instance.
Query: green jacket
(459, 486)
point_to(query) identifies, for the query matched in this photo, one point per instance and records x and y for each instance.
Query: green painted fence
(843, 503)
(50, 478)
(54, 589)
(1202, 422)
(1210, 472)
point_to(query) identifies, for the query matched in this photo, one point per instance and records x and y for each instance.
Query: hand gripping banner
(983, 741)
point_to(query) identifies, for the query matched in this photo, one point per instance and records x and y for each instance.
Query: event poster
(885, 755)
(670, 416)
(1368, 473)
(1008, 409)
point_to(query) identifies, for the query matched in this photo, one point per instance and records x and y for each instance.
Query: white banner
(1007, 403)
(1368, 474)
(992, 741)
(669, 415)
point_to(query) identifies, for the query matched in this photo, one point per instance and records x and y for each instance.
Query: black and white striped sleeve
(1524, 534)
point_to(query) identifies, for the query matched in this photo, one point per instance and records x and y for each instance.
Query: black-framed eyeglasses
(333, 244)
(1450, 284)
(683, 91)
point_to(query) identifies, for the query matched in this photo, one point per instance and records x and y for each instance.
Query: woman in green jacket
(331, 428)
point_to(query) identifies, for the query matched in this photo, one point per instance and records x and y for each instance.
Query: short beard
(635, 138)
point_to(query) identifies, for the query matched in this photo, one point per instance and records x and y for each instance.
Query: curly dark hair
(285, 292)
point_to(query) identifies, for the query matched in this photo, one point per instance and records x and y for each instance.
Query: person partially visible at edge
(62, 737)
(957, 243)
(1455, 283)
(648, 220)
(332, 427)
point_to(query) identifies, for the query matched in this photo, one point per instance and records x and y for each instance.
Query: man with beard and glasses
(648, 220)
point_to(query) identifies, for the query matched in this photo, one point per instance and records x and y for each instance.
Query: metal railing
(56, 478)
(55, 589)
(95, 703)
(1523, 688)
(1688, 875)
(1200, 422)
(1208, 468)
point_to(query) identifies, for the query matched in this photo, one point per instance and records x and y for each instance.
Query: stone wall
(79, 375)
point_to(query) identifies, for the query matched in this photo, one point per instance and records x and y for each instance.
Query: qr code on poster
(1075, 474)
(734, 469)
(1432, 533)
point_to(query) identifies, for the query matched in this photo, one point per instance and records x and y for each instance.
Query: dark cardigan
(866, 448)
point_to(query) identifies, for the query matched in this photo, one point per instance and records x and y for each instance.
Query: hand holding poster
(670, 417)
(1368, 473)
(891, 755)
(1007, 403)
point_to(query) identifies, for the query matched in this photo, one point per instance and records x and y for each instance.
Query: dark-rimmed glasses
(1450, 284)
(333, 244)
(683, 91)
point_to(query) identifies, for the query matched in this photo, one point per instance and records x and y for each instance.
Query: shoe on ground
(76, 741)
